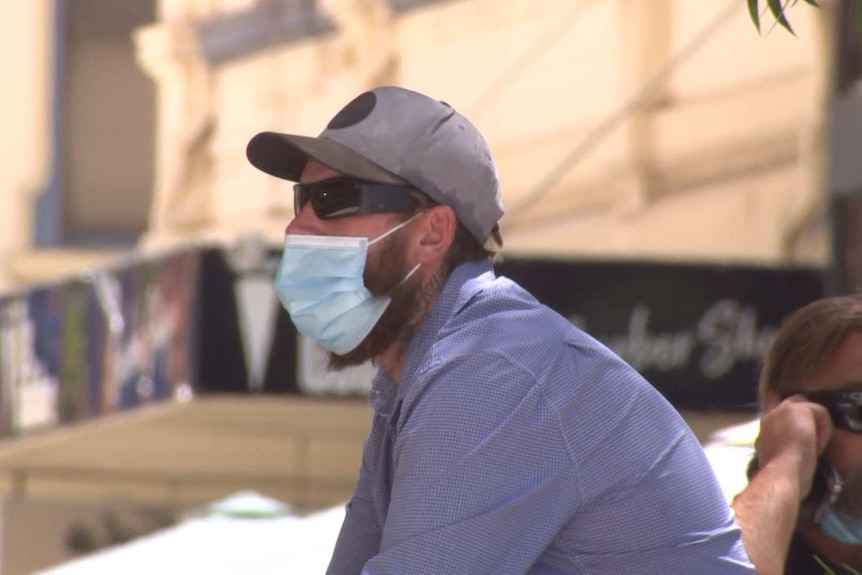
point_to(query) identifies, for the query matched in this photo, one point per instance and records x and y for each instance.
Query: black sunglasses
(844, 405)
(344, 197)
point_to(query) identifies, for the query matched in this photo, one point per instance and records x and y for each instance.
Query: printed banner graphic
(109, 340)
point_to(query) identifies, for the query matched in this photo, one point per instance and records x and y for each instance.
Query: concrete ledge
(51, 265)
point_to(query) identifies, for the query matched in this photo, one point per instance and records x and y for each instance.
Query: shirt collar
(465, 281)
(382, 395)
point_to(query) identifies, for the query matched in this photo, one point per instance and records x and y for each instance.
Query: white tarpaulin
(250, 541)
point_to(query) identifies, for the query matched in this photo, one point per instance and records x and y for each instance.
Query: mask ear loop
(395, 229)
(404, 279)
(410, 273)
(392, 231)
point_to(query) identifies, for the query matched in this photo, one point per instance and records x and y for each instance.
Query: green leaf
(778, 12)
(754, 13)
(811, 3)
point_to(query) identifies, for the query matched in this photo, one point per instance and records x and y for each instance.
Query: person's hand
(792, 435)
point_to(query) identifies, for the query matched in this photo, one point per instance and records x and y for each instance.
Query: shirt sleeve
(477, 482)
(359, 538)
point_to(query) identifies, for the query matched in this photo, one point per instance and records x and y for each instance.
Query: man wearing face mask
(801, 512)
(504, 439)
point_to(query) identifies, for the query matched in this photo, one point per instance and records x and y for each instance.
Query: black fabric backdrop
(696, 332)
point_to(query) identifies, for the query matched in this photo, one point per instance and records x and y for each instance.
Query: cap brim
(285, 155)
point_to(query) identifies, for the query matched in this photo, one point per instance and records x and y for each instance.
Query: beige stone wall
(717, 164)
(105, 163)
(667, 131)
(621, 129)
(24, 115)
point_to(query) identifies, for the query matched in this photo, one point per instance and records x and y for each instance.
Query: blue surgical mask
(841, 527)
(319, 282)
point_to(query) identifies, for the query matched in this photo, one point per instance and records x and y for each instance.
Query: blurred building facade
(76, 167)
(666, 129)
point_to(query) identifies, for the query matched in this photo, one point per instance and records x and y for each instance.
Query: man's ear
(436, 232)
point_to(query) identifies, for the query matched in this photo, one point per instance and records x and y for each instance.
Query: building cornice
(269, 23)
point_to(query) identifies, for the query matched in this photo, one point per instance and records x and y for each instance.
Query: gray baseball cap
(395, 135)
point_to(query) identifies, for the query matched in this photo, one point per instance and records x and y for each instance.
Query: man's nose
(305, 222)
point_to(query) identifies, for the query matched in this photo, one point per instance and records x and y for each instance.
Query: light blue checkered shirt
(516, 443)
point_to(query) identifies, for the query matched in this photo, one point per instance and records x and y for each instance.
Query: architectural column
(170, 52)
(365, 47)
(645, 40)
(803, 237)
